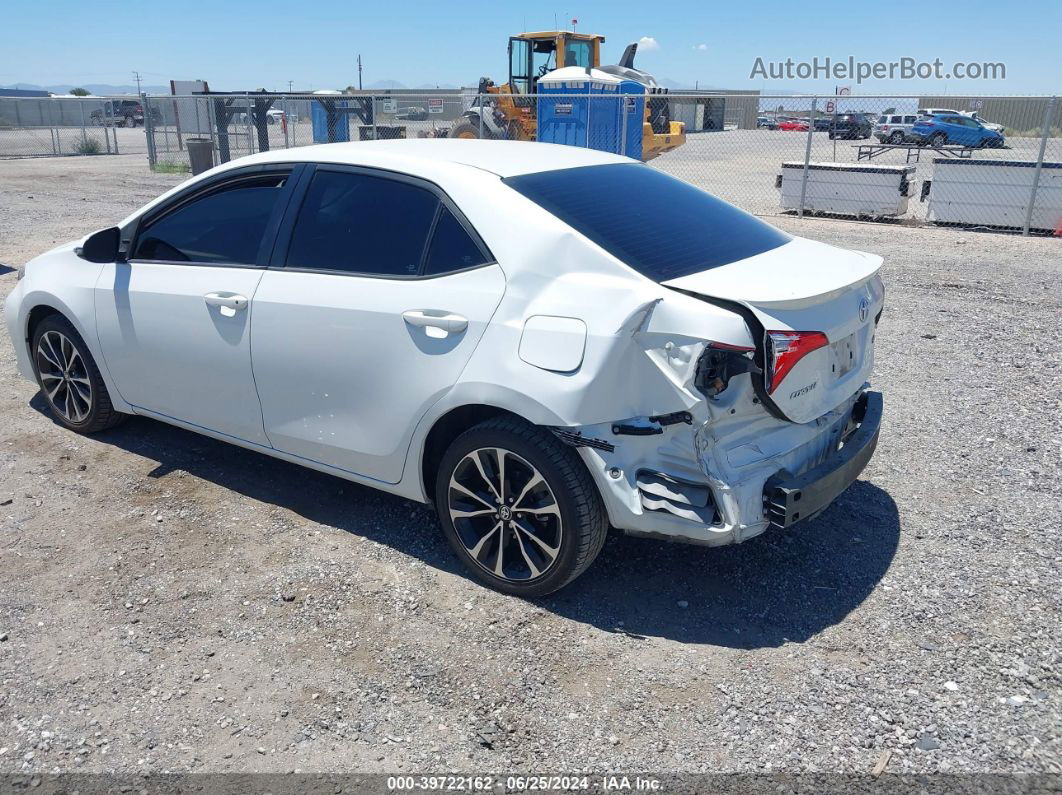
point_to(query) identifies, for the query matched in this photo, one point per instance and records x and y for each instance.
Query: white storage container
(847, 188)
(995, 193)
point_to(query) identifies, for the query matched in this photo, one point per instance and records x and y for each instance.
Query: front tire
(468, 129)
(69, 379)
(519, 508)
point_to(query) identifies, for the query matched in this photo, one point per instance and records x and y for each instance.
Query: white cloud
(648, 44)
(701, 47)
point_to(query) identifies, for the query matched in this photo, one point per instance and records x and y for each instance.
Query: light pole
(136, 74)
(359, 71)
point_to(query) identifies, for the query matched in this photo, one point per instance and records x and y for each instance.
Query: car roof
(504, 158)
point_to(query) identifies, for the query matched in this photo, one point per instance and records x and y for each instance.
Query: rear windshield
(662, 227)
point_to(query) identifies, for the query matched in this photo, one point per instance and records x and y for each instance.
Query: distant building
(23, 92)
(719, 109)
(1017, 114)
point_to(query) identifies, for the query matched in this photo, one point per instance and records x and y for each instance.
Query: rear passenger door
(378, 292)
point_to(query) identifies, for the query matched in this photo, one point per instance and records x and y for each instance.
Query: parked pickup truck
(120, 113)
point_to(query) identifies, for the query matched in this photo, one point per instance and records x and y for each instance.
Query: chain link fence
(59, 126)
(984, 162)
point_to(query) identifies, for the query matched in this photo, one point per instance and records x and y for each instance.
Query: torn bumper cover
(728, 478)
(790, 499)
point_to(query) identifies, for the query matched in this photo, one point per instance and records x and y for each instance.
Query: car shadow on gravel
(784, 586)
(777, 588)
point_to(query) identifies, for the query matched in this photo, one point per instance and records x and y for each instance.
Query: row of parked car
(939, 126)
(841, 125)
(936, 126)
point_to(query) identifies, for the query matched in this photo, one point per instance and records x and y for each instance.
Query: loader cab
(532, 55)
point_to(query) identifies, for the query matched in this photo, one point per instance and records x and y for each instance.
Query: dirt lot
(172, 603)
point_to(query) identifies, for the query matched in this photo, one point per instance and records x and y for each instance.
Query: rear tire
(519, 508)
(938, 139)
(69, 379)
(896, 138)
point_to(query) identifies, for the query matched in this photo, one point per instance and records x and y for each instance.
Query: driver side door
(173, 318)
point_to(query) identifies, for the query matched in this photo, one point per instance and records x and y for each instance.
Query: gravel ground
(173, 603)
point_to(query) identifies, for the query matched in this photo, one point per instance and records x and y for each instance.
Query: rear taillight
(785, 349)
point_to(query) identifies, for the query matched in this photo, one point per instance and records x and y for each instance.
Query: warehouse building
(1019, 115)
(705, 111)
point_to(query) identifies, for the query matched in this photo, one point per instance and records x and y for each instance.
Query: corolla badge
(864, 310)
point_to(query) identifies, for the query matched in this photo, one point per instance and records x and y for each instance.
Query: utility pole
(136, 74)
(290, 83)
(359, 71)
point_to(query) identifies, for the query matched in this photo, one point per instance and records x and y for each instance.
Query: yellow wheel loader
(509, 111)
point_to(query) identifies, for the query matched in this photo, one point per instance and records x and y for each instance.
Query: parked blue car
(954, 129)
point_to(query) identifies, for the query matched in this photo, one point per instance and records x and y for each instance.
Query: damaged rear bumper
(790, 499)
(715, 482)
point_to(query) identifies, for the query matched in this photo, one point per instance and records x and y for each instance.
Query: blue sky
(236, 44)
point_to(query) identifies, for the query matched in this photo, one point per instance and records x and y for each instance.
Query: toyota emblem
(864, 310)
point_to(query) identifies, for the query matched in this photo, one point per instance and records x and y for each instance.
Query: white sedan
(541, 340)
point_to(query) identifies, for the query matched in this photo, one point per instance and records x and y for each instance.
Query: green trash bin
(201, 154)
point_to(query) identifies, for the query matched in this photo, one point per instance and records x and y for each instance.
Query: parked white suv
(894, 128)
(542, 340)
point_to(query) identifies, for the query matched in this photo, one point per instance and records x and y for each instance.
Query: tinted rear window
(662, 227)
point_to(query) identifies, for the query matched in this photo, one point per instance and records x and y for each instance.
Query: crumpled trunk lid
(805, 285)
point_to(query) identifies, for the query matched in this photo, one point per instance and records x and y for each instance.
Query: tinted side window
(362, 224)
(224, 226)
(452, 248)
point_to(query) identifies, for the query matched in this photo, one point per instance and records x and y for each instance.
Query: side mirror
(101, 246)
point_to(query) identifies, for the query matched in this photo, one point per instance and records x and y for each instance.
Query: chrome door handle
(228, 300)
(446, 321)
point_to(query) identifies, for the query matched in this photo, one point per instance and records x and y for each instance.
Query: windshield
(577, 53)
(662, 227)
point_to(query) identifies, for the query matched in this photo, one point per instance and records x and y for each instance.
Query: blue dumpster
(329, 119)
(591, 108)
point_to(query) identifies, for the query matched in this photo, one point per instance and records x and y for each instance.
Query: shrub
(172, 167)
(88, 146)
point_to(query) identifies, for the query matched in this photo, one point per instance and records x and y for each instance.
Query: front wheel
(69, 378)
(467, 128)
(519, 507)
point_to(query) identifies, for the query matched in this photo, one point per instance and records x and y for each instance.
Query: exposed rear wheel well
(447, 428)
